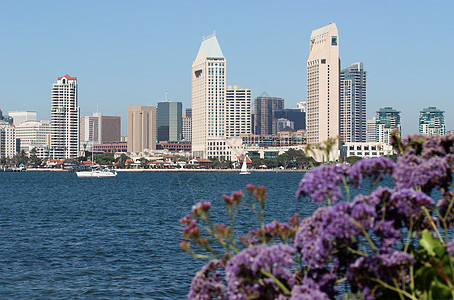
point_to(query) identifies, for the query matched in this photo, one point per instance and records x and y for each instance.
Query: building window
(334, 41)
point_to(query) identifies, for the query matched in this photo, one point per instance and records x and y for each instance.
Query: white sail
(244, 167)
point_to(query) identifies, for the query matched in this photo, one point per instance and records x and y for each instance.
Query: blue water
(68, 237)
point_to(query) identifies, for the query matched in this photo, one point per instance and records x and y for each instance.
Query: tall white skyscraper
(208, 96)
(65, 118)
(237, 111)
(323, 85)
(352, 103)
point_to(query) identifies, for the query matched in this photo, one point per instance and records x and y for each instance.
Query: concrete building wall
(237, 111)
(323, 85)
(141, 128)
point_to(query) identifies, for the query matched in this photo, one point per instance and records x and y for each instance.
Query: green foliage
(104, 159)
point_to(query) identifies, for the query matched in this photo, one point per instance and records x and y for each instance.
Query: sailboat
(244, 170)
(96, 173)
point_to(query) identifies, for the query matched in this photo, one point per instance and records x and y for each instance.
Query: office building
(33, 134)
(352, 103)
(186, 127)
(237, 111)
(432, 121)
(169, 121)
(9, 145)
(371, 128)
(208, 97)
(98, 129)
(22, 116)
(387, 121)
(323, 85)
(65, 118)
(265, 108)
(296, 116)
(142, 123)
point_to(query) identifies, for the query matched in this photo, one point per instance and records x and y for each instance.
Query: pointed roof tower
(209, 48)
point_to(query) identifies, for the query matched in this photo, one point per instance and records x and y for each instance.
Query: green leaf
(428, 242)
(440, 290)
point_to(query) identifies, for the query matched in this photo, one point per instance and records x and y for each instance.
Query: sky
(127, 53)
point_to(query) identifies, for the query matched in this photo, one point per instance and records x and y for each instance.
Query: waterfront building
(9, 144)
(371, 127)
(174, 146)
(65, 117)
(366, 149)
(237, 111)
(169, 121)
(186, 127)
(22, 116)
(111, 147)
(432, 121)
(98, 129)
(352, 103)
(142, 125)
(323, 85)
(208, 97)
(33, 134)
(387, 121)
(296, 116)
(285, 138)
(265, 108)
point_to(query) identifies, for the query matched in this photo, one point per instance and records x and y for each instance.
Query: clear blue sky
(130, 52)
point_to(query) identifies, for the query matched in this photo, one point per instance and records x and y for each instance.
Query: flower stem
(397, 290)
(277, 281)
(433, 225)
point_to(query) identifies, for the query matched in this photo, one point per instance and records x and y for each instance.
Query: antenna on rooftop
(165, 96)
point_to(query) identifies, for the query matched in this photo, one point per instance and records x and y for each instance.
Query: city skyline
(116, 52)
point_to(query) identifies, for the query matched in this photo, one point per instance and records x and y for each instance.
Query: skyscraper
(432, 121)
(186, 126)
(323, 85)
(169, 121)
(65, 118)
(371, 129)
(265, 108)
(352, 103)
(208, 95)
(387, 121)
(141, 128)
(237, 111)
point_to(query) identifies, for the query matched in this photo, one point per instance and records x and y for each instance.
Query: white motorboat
(97, 173)
(244, 169)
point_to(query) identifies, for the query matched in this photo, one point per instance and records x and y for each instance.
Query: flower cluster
(393, 242)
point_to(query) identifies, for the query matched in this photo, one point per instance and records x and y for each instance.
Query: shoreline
(180, 170)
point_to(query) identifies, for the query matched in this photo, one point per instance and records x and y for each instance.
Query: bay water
(110, 238)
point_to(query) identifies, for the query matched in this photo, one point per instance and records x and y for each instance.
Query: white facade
(22, 116)
(186, 128)
(32, 134)
(208, 96)
(371, 128)
(226, 148)
(65, 117)
(90, 131)
(302, 106)
(373, 149)
(322, 116)
(7, 140)
(237, 111)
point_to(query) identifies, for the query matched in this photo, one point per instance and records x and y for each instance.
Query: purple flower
(414, 171)
(207, 283)
(383, 266)
(450, 247)
(387, 235)
(308, 290)
(410, 203)
(308, 239)
(201, 209)
(322, 183)
(375, 168)
(244, 271)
